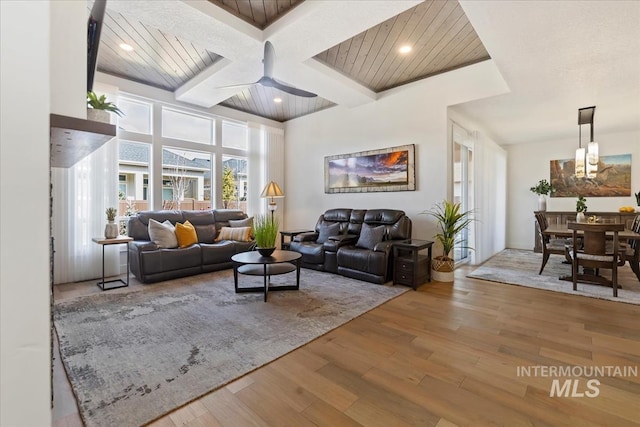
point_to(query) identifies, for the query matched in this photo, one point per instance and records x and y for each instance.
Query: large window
(171, 163)
(187, 127)
(234, 183)
(137, 116)
(186, 179)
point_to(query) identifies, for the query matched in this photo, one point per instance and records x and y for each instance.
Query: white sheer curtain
(81, 194)
(266, 163)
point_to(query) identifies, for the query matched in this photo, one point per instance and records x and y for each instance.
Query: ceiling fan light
(405, 49)
(277, 100)
(580, 164)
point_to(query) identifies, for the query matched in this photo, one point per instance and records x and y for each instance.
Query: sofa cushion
(247, 222)
(370, 236)
(327, 230)
(240, 234)
(312, 253)
(163, 234)
(217, 253)
(186, 234)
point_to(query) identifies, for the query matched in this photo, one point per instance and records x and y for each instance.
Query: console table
(561, 218)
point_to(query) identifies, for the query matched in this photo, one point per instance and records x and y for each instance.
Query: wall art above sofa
(387, 169)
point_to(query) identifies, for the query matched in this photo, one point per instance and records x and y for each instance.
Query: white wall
(24, 215)
(529, 163)
(69, 63)
(413, 114)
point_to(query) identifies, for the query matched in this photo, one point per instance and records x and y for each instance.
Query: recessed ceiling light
(126, 47)
(405, 49)
(277, 100)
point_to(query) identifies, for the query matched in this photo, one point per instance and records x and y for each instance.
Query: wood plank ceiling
(441, 37)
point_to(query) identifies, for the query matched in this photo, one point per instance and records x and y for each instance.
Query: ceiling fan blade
(269, 59)
(269, 82)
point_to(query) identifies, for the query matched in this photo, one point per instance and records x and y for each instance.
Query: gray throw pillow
(370, 236)
(247, 222)
(163, 234)
(326, 231)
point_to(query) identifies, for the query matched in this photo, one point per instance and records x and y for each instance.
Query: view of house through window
(189, 150)
(186, 179)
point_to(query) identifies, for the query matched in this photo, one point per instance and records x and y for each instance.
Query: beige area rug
(520, 267)
(132, 357)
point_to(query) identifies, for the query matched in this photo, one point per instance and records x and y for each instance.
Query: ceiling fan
(267, 79)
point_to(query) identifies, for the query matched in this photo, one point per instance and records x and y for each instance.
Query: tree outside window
(229, 192)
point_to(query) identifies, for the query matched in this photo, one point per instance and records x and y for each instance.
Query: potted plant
(581, 209)
(542, 190)
(98, 108)
(111, 229)
(451, 220)
(265, 229)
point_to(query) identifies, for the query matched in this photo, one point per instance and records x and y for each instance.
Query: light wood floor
(445, 355)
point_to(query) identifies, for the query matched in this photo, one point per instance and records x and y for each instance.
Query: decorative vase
(580, 217)
(542, 203)
(442, 269)
(111, 230)
(266, 251)
(98, 115)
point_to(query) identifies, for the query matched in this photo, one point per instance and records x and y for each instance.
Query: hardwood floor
(446, 355)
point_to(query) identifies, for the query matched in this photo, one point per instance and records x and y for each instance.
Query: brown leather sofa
(355, 243)
(150, 263)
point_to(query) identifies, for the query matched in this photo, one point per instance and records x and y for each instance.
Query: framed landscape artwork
(612, 180)
(388, 169)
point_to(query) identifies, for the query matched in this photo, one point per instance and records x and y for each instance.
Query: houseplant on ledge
(542, 190)
(98, 108)
(450, 222)
(265, 229)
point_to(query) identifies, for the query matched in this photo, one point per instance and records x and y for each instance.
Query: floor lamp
(273, 191)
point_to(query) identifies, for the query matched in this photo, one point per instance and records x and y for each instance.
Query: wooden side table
(411, 268)
(107, 242)
(285, 245)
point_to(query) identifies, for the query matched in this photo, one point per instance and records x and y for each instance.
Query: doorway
(463, 187)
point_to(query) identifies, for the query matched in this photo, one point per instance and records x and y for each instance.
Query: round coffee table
(253, 264)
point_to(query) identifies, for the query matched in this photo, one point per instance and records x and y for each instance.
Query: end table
(116, 241)
(291, 234)
(409, 266)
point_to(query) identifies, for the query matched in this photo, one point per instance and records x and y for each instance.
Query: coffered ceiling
(344, 51)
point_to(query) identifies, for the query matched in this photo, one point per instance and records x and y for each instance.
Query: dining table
(626, 234)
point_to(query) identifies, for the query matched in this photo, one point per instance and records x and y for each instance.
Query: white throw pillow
(163, 234)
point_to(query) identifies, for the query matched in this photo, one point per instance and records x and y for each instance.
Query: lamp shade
(272, 190)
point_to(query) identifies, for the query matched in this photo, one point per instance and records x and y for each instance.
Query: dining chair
(631, 252)
(591, 251)
(551, 245)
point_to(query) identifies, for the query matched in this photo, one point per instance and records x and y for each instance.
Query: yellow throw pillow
(239, 234)
(186, 234)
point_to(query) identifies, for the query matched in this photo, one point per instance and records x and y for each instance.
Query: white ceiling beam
(316, 77)
(205, 89)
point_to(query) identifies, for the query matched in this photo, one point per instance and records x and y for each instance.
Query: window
(234, 183)
(137, 116)
(133, 177)
(234, 135)
(187, 127)
(186, 179)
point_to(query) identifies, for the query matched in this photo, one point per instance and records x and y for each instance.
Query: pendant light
(586, 160)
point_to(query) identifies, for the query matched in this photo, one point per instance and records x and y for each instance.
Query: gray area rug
(520, 267)
(132, 357)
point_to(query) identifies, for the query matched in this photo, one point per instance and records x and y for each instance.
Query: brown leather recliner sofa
(151, 263)
(355, 243)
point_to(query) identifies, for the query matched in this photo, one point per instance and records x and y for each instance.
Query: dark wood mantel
(73, 139)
